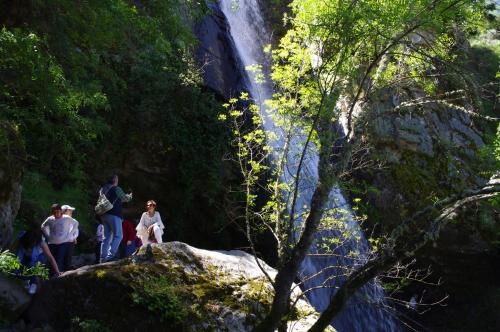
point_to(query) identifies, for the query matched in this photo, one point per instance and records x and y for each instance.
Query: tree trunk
(390, 256)
(287, 274)
(356, 281)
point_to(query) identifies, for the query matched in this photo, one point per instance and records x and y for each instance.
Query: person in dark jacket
(112, 219)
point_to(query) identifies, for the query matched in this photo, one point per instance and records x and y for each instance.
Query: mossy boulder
(172, 287)
(13, 298)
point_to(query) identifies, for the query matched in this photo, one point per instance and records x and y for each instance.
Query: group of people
(53, 242)
(110, 235)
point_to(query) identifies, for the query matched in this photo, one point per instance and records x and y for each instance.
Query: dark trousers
(97, 251)
(59, 253)
(69, 255)
(126, 250)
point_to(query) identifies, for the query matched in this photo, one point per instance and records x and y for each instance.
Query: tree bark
(287, 274)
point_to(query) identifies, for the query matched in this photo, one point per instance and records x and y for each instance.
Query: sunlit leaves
(9, 263)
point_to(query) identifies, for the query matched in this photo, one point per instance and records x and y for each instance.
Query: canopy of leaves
(88, 82)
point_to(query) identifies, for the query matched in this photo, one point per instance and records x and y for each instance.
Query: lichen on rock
(178, 287)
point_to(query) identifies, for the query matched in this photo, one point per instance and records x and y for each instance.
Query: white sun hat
(67, 207)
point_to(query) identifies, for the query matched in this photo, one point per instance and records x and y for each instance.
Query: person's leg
(69, 255)
(106, 222)
(122, 250)
(117, 235)
(97, 252)
(157, 231)
(130, 249)
(58, 251)
(144, 239)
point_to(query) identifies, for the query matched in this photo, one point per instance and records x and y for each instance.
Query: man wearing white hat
(68, 211)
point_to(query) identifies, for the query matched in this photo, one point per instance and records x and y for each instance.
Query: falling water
(364, 311)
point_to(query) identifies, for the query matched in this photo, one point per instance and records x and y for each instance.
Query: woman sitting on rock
(150, 227)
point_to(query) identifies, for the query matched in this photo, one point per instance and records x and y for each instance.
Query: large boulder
(172, 287)
(13, 298)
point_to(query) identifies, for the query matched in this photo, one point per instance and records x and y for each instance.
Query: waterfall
(364, 312)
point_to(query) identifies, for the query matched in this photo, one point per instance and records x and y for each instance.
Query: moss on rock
(176, 288)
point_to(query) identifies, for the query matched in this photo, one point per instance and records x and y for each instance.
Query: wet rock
(221, 67)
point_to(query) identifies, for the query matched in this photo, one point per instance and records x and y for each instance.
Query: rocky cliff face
(430, 150)
(421, 129)
(171, 287)
(221, 67)
(12, 158)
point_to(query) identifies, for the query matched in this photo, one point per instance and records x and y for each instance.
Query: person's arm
(159, 221)
(46, 228)
(48, 254)
(75, 232)
(141, 225)
(122, 196)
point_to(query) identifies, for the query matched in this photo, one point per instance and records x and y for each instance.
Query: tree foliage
(88, 82)
(335, 56)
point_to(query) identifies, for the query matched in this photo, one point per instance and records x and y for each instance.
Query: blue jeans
(127, 250)
(113, 235)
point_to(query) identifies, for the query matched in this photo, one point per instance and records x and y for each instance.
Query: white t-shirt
(60, 230)
(146, 221)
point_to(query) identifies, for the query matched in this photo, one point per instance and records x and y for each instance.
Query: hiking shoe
(32, 289)
(111, 259)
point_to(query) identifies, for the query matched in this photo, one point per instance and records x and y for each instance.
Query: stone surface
(13, 298)
(221, 67)
(209, 290)
(420, 129)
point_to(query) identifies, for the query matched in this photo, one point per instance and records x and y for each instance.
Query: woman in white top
(150, 223)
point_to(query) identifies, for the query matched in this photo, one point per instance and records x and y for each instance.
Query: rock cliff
(12, 158)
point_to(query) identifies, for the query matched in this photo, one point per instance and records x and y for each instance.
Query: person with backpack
(112, 218)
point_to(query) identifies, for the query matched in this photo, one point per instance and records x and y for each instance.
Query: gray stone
(227, 288)
(13, 298)
(467, 132)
